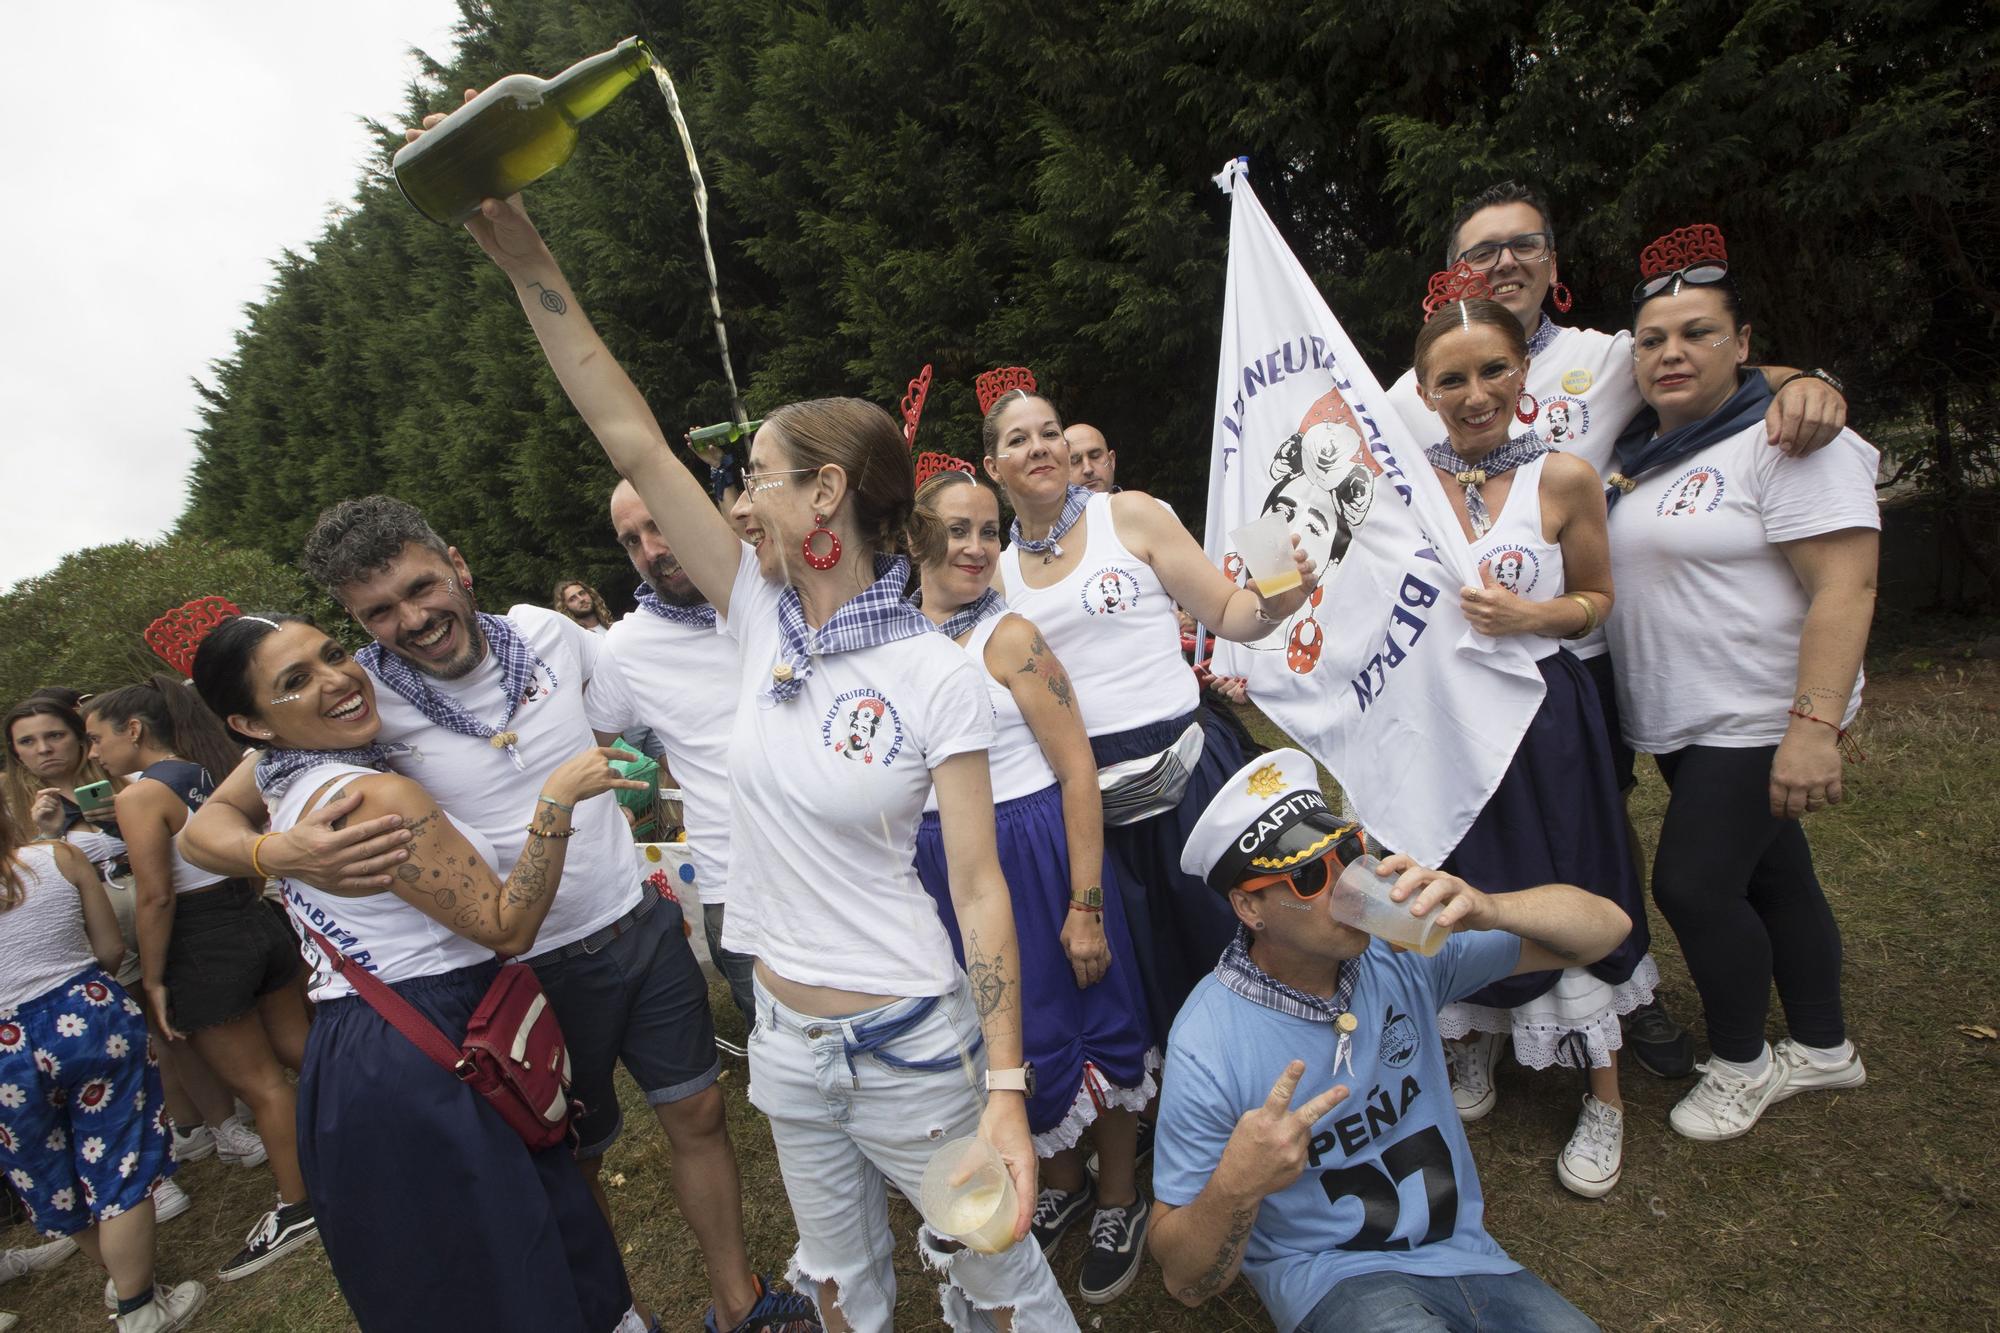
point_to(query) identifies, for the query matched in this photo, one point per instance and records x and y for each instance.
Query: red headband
(1457, 283)
(176, 635)
(996, 384)
(930, 464)
(1684, 247)
(913, 405)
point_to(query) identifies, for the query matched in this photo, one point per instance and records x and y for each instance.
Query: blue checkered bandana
(1241, 975)
(700, 616)
(961, 621)
(517, 668)
(1525, 449)
(1545, 333)
(277, 768)
(877, 616)
(1050, 547)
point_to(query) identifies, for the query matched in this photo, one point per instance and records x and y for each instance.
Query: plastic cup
(968, 1196)
(1360, 898)
(1266, 548)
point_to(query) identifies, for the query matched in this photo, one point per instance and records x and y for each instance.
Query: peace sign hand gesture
(1267, 1151)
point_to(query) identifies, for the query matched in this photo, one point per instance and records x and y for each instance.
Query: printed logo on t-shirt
(1578, 380)
(540, 686)
(1515, 568)
(1399, 1038)
(1109, 591)
(1565, 420)
(1696, 491)
(863, 726)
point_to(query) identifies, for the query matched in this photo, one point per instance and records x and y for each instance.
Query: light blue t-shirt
(1389, 1181)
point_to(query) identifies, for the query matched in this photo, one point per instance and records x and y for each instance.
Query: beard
(656, 579)
(469, 656)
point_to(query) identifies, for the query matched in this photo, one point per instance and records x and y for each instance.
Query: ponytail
(174, 717)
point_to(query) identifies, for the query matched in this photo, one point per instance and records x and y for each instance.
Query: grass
(1871, 1209)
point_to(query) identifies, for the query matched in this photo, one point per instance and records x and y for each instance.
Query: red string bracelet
(1850, 749)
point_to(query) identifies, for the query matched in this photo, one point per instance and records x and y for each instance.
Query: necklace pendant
(1053, 554)
(504, 740)
(1347, 1022)
(782, 673)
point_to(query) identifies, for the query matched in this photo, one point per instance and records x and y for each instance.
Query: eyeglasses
(1316, 876)
(1530, 247)
(755, 481)
(1694, 275)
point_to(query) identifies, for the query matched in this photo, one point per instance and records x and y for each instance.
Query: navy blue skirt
(433, 1213)
(1556, 818)
(1067, 1031)
(1179, 925)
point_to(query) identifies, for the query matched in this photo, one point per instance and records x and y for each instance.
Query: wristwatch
(1012, 1080)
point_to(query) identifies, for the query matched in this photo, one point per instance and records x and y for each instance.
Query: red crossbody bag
(513, 1054)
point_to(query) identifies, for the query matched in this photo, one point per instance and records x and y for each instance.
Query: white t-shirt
(1582, 381)
(378, 931)
(1707, 621)
(827, 790)
(478, 786)
(684, 681)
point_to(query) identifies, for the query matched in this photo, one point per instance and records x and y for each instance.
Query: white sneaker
(1805, 1074)
(169, 1201)
(238, 1144)
(1471, 1064)
(1595, 1157)
(169, 1310)
(38, 1259)
(197, 1144)
(1725, 1104)
(8, 1321)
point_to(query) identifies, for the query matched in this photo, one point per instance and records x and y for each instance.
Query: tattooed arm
(446, 880)
(992, 961)
(1019, 658)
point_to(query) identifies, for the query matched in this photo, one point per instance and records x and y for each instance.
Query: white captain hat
(1268, 818)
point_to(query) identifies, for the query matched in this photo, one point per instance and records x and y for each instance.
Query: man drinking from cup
(1306, 1082)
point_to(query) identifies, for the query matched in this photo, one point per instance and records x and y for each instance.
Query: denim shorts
(640, 999)
(226, 953)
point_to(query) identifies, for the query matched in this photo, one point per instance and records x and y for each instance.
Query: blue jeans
(737, 968)
(1391, 1302)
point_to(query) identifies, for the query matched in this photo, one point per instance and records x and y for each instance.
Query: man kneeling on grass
(1307, 1134)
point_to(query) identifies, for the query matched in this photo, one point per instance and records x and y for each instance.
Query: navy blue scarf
(1640, 452)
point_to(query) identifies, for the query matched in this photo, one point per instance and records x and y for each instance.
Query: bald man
(1093, 464)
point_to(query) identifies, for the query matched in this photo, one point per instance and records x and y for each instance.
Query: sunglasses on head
(1694, 275)
(1310, 879)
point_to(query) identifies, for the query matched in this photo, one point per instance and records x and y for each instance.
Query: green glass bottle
(515, 132)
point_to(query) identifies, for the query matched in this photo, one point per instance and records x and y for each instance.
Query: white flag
(1378, 676)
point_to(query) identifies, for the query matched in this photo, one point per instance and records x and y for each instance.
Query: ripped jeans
(842, 1127)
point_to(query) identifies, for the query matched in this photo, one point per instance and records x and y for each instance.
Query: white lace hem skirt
(1098, 1093)
(1577, 1015)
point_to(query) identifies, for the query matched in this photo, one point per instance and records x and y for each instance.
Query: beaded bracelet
(534, 832)
(1850, 749)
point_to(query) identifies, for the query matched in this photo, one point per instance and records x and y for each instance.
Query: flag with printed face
(1378, 675)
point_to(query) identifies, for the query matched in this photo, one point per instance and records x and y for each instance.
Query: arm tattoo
(551, 301)
(1052, 676)
(1218, 1273)
(990, 986)
(530, 880)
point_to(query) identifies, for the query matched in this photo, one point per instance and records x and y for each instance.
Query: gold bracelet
(1589, 615)
(255, 848)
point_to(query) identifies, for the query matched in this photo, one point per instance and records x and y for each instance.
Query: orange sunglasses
(1309, 880)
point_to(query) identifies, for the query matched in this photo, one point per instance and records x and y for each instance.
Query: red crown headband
(997, 384)
(1683, 247)
(929, 464)
(176, 635)
(913, 405)
(1457, 283)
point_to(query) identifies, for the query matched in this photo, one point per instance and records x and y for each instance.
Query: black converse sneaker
(282, 1230)
(1117, 1249)
(1054, 1212)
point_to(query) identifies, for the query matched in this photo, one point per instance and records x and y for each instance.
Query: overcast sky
(164, 153)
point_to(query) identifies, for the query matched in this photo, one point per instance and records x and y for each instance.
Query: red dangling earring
(1526, 414)
(1560, 296)
(832, 556)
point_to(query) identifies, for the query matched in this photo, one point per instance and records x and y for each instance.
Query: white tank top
(42, 939)
(381, 932)
(1114, 628)
(1522, 558)
(1015, 760)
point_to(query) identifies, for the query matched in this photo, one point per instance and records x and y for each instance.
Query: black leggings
(1738, 887)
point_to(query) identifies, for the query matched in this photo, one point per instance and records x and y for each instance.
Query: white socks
(1750, 1069)
(1828, 1057)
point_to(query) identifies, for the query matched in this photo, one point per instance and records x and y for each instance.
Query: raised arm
(1837, 570)
(1156, 536)
(992, 959)
(326, 849)
(450, 883)
(1019, 657)
(1559, 925)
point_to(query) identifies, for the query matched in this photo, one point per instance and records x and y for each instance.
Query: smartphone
(94, 796)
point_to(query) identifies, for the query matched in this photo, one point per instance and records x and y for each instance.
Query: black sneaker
(1664, 1047)
(1142, 1151)
(1117, 1248)
(284, 1229)
(1054, 1211)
